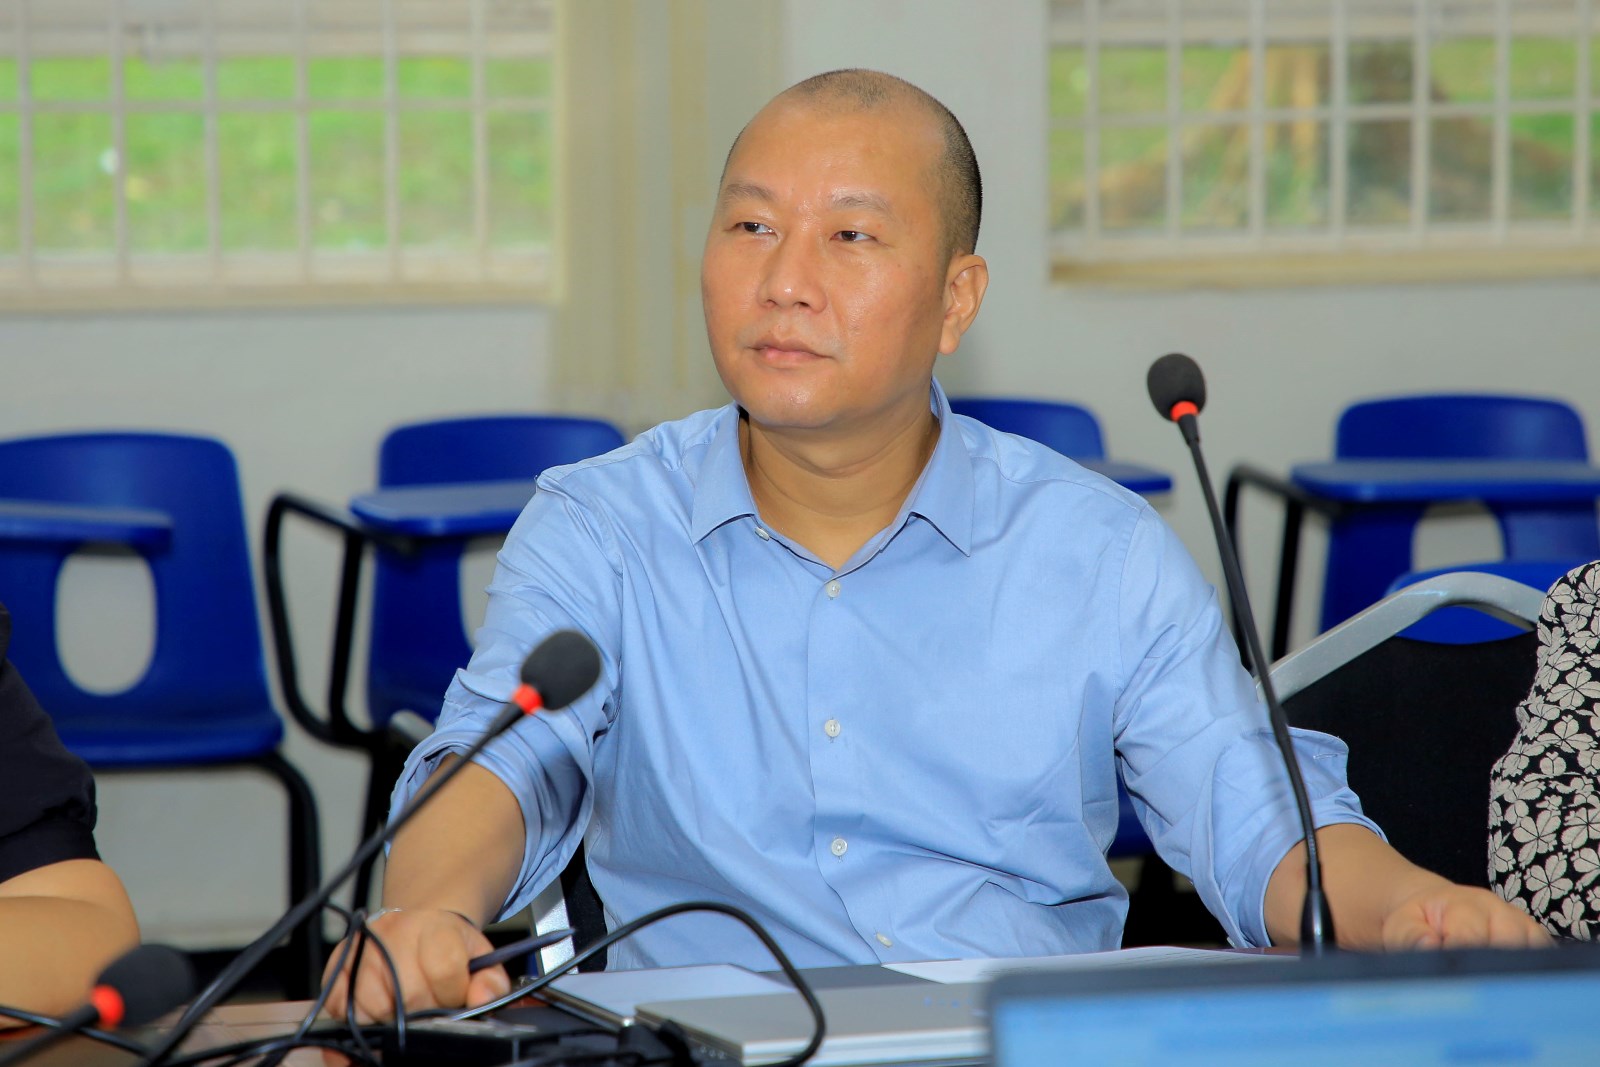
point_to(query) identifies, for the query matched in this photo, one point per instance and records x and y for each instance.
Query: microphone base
(1316, 925)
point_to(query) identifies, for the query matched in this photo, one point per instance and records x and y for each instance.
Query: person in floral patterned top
(1544, 797)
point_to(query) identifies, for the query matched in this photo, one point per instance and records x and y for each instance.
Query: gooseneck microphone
(138, 987)
(1178, 390)
(560, 670)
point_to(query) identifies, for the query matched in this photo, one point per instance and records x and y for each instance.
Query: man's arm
(449, 871)
(60, 925)
(1383, 901)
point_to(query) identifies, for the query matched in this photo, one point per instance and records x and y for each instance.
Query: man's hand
(1457, 916)
(1382, 901)
(430, 948)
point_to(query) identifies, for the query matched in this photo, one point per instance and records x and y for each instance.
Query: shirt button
(831, 727)
(839, 846)
(883, 940)
(832, 588)
(762, 533)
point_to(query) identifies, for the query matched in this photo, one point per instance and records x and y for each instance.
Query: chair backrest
(1369, 549)
(207, 639)
(1068, 428)
(1425, 722)
(418, 639)
(1460, 426)
(1464, 626)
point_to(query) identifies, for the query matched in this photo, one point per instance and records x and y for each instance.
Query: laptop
(1479, 1007)
(912, 1022)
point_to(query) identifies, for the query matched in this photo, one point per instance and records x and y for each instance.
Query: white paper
(948, 971)
(619, 992)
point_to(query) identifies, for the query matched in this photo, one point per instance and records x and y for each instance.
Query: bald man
(869, 669)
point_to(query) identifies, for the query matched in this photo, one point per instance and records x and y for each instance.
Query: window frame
(119, 276)
(1337, 252)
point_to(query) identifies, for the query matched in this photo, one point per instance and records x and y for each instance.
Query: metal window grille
(1190, 128)
(289, 147)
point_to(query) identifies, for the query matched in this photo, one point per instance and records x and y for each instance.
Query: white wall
(1280, 363)
(302, 397)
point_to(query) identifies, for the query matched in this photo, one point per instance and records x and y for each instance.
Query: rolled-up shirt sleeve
(556, 571)
(1195, 743)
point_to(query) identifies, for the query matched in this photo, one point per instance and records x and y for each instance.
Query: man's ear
(966, 280)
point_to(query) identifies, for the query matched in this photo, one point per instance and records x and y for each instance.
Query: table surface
(473, 509)
(32, 520)
(1378, 481)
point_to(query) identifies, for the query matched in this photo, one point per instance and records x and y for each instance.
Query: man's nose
(792, 274)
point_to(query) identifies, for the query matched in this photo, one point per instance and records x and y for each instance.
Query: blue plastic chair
(203, 702)
(1069, 429)
(418, 640)
(1368, 549)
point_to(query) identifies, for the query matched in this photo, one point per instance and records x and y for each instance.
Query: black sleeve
(47, 810)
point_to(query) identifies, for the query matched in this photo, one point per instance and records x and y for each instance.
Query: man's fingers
(486, 985)
(442, 956)
(1465, 925)
(1409, 929)
(430, 950)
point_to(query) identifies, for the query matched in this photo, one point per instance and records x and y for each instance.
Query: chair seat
(199, 735)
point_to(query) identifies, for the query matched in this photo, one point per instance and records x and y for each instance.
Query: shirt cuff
(1273, 828)
(534, 763)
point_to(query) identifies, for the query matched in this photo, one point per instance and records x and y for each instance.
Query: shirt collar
(722, 492)
(943, 495)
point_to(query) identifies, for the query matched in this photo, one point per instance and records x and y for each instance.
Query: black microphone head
(152, 980)
(562, 668)
(1174, 379)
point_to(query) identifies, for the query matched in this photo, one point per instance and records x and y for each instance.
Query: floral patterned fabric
(1544, 795)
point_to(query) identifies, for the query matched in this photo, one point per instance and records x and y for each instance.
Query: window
(274, 149)
(1208, 129)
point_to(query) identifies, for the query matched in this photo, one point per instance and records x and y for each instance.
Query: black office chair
(1425, 721)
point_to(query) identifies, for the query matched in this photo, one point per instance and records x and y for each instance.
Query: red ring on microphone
(527, 698)
(1182, 408)
(108, 1002)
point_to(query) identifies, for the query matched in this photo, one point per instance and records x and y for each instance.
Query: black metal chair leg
(386, 764)
(303, 973)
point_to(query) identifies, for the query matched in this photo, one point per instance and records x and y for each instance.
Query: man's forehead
(737, 189)
(788, 135)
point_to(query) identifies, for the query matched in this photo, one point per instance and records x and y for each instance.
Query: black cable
(50, 1022)
(628, 929)
(356, 1045)
(243, 1052)
(350, 992)
(352, 921)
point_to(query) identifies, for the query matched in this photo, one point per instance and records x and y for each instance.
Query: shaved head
(958, 189)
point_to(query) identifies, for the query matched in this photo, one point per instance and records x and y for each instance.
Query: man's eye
(854, 236)
(755, 227)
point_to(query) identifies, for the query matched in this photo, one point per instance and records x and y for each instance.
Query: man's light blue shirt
(911, 757)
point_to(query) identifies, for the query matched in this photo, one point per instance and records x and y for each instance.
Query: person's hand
(431, 949)
(1458, 916)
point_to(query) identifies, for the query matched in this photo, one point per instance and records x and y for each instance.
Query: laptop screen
(1474, 1008)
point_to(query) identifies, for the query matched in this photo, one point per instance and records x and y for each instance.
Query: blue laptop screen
(1540, 1018)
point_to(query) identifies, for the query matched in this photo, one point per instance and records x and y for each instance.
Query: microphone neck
(1316, 918)
(242, 964)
